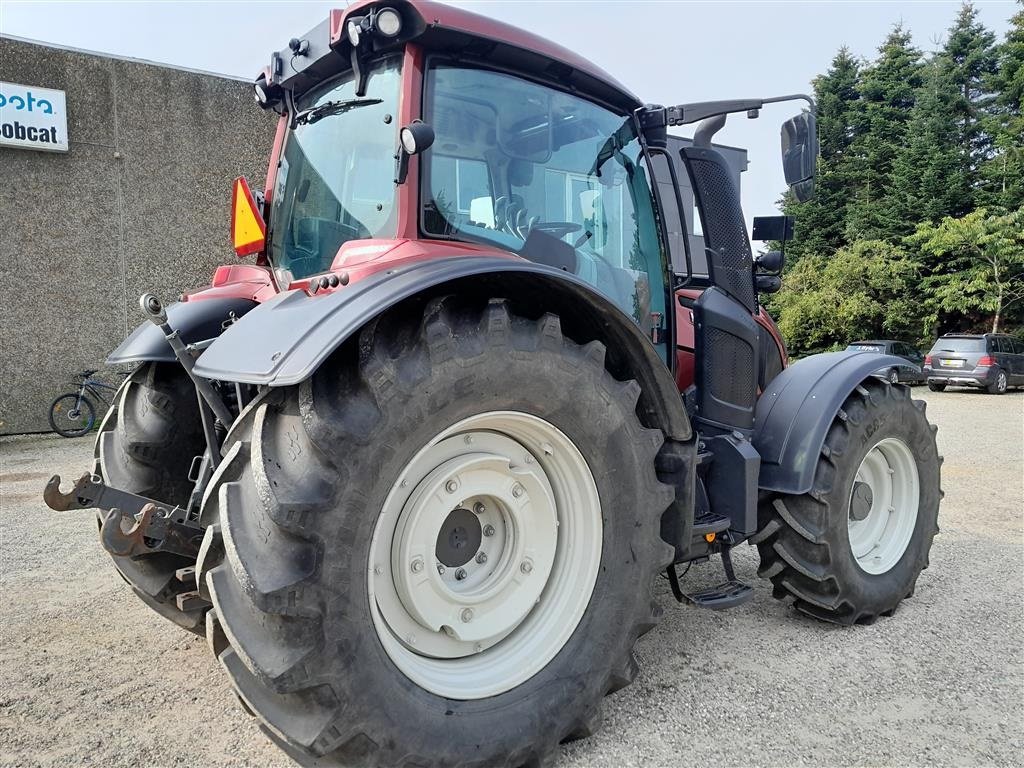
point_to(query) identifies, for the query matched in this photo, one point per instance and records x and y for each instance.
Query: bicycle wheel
(71, 417)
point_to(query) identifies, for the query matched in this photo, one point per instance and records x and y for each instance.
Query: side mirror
(800, 154)
(248, 229)
(767, 283)
(415, 138)
(770, 262)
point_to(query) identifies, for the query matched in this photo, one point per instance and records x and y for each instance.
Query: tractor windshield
(335, 182)
(550, 176)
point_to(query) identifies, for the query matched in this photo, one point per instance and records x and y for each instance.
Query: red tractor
(415, 471)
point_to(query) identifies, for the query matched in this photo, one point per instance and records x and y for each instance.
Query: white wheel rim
(883, 505)
(485, 624)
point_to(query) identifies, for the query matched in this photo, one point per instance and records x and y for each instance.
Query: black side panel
(796, 410)
(725, 233)
(726, 340)
(196, 320)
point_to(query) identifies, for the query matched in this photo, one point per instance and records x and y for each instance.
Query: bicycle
(73, 413)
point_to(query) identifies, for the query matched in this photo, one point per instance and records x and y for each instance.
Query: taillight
(986, 360)
(927, 359)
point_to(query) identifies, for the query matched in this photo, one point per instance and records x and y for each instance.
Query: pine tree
(887, 93)
(928, 179)
(1003, 172)
(970, 56)
(821, 220)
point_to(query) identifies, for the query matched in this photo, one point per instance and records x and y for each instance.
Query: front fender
(794, 413)
(194, 320)
(285, 340)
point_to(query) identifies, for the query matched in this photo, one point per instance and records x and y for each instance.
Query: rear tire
(815, 548)
(936, 386)
(894, 376)
(299, 500)
(146, 445)
(999, 385)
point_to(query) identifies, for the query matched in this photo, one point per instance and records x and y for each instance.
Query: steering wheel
(557, 228)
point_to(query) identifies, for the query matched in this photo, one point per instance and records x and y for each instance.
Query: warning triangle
(248, 230)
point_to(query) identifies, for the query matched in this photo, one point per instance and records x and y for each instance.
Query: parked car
(991, 361)
(910, 373)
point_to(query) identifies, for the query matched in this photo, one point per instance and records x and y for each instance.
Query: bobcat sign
(33, 118)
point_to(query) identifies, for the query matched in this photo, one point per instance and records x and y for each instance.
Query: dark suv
(991, 361)
(909, 373)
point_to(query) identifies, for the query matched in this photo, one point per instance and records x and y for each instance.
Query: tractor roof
(450, 30)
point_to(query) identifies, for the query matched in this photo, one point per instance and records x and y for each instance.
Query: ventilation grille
(725, 232)
(728, 367)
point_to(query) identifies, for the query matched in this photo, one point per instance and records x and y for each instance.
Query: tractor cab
(419, 121)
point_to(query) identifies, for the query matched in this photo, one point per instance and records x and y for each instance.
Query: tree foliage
(915, 228)
(978, 262)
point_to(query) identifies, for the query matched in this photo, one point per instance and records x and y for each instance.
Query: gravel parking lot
(89, 676)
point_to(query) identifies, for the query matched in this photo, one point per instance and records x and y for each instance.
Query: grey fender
(195, 320)
(794, 414)
(283, 341)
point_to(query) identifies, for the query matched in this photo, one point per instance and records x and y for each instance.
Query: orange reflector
(248, 230)
(709, 537)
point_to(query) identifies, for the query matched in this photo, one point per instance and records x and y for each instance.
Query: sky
(667, 51)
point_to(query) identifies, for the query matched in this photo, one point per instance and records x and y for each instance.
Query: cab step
(726, 595)
(729, 594)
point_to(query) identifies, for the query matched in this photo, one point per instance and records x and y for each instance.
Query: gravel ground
(89, 676)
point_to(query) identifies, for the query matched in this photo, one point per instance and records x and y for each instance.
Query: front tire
(852, 548)
(146, 445)
(320, 504)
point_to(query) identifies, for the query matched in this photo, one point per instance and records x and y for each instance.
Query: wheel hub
(459, 539)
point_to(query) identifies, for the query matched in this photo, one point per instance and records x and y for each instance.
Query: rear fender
(195, 321)
(285, 340)
(794, 413)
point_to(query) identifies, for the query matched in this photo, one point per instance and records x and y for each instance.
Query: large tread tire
(804, 542)
(146, 445)
(297, 500)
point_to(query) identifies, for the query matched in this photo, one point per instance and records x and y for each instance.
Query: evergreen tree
(1003, 172)
(821, 220)
(928, 178)
(888, 89)
(970, 56)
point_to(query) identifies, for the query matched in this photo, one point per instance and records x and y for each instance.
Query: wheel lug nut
(417, 565)
(488, 530)
(479, 508)
(481, 558)
(460, 574)
(440, 569)
(518, 490)
(466, 615)
(526, 566)
(451, 486)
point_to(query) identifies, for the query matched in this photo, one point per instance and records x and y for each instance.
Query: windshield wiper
(319, 112)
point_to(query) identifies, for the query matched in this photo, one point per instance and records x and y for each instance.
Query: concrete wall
(139, 203)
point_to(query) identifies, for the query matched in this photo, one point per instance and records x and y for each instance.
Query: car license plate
(953, 363)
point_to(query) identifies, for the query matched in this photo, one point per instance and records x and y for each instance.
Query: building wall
(139, 203)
